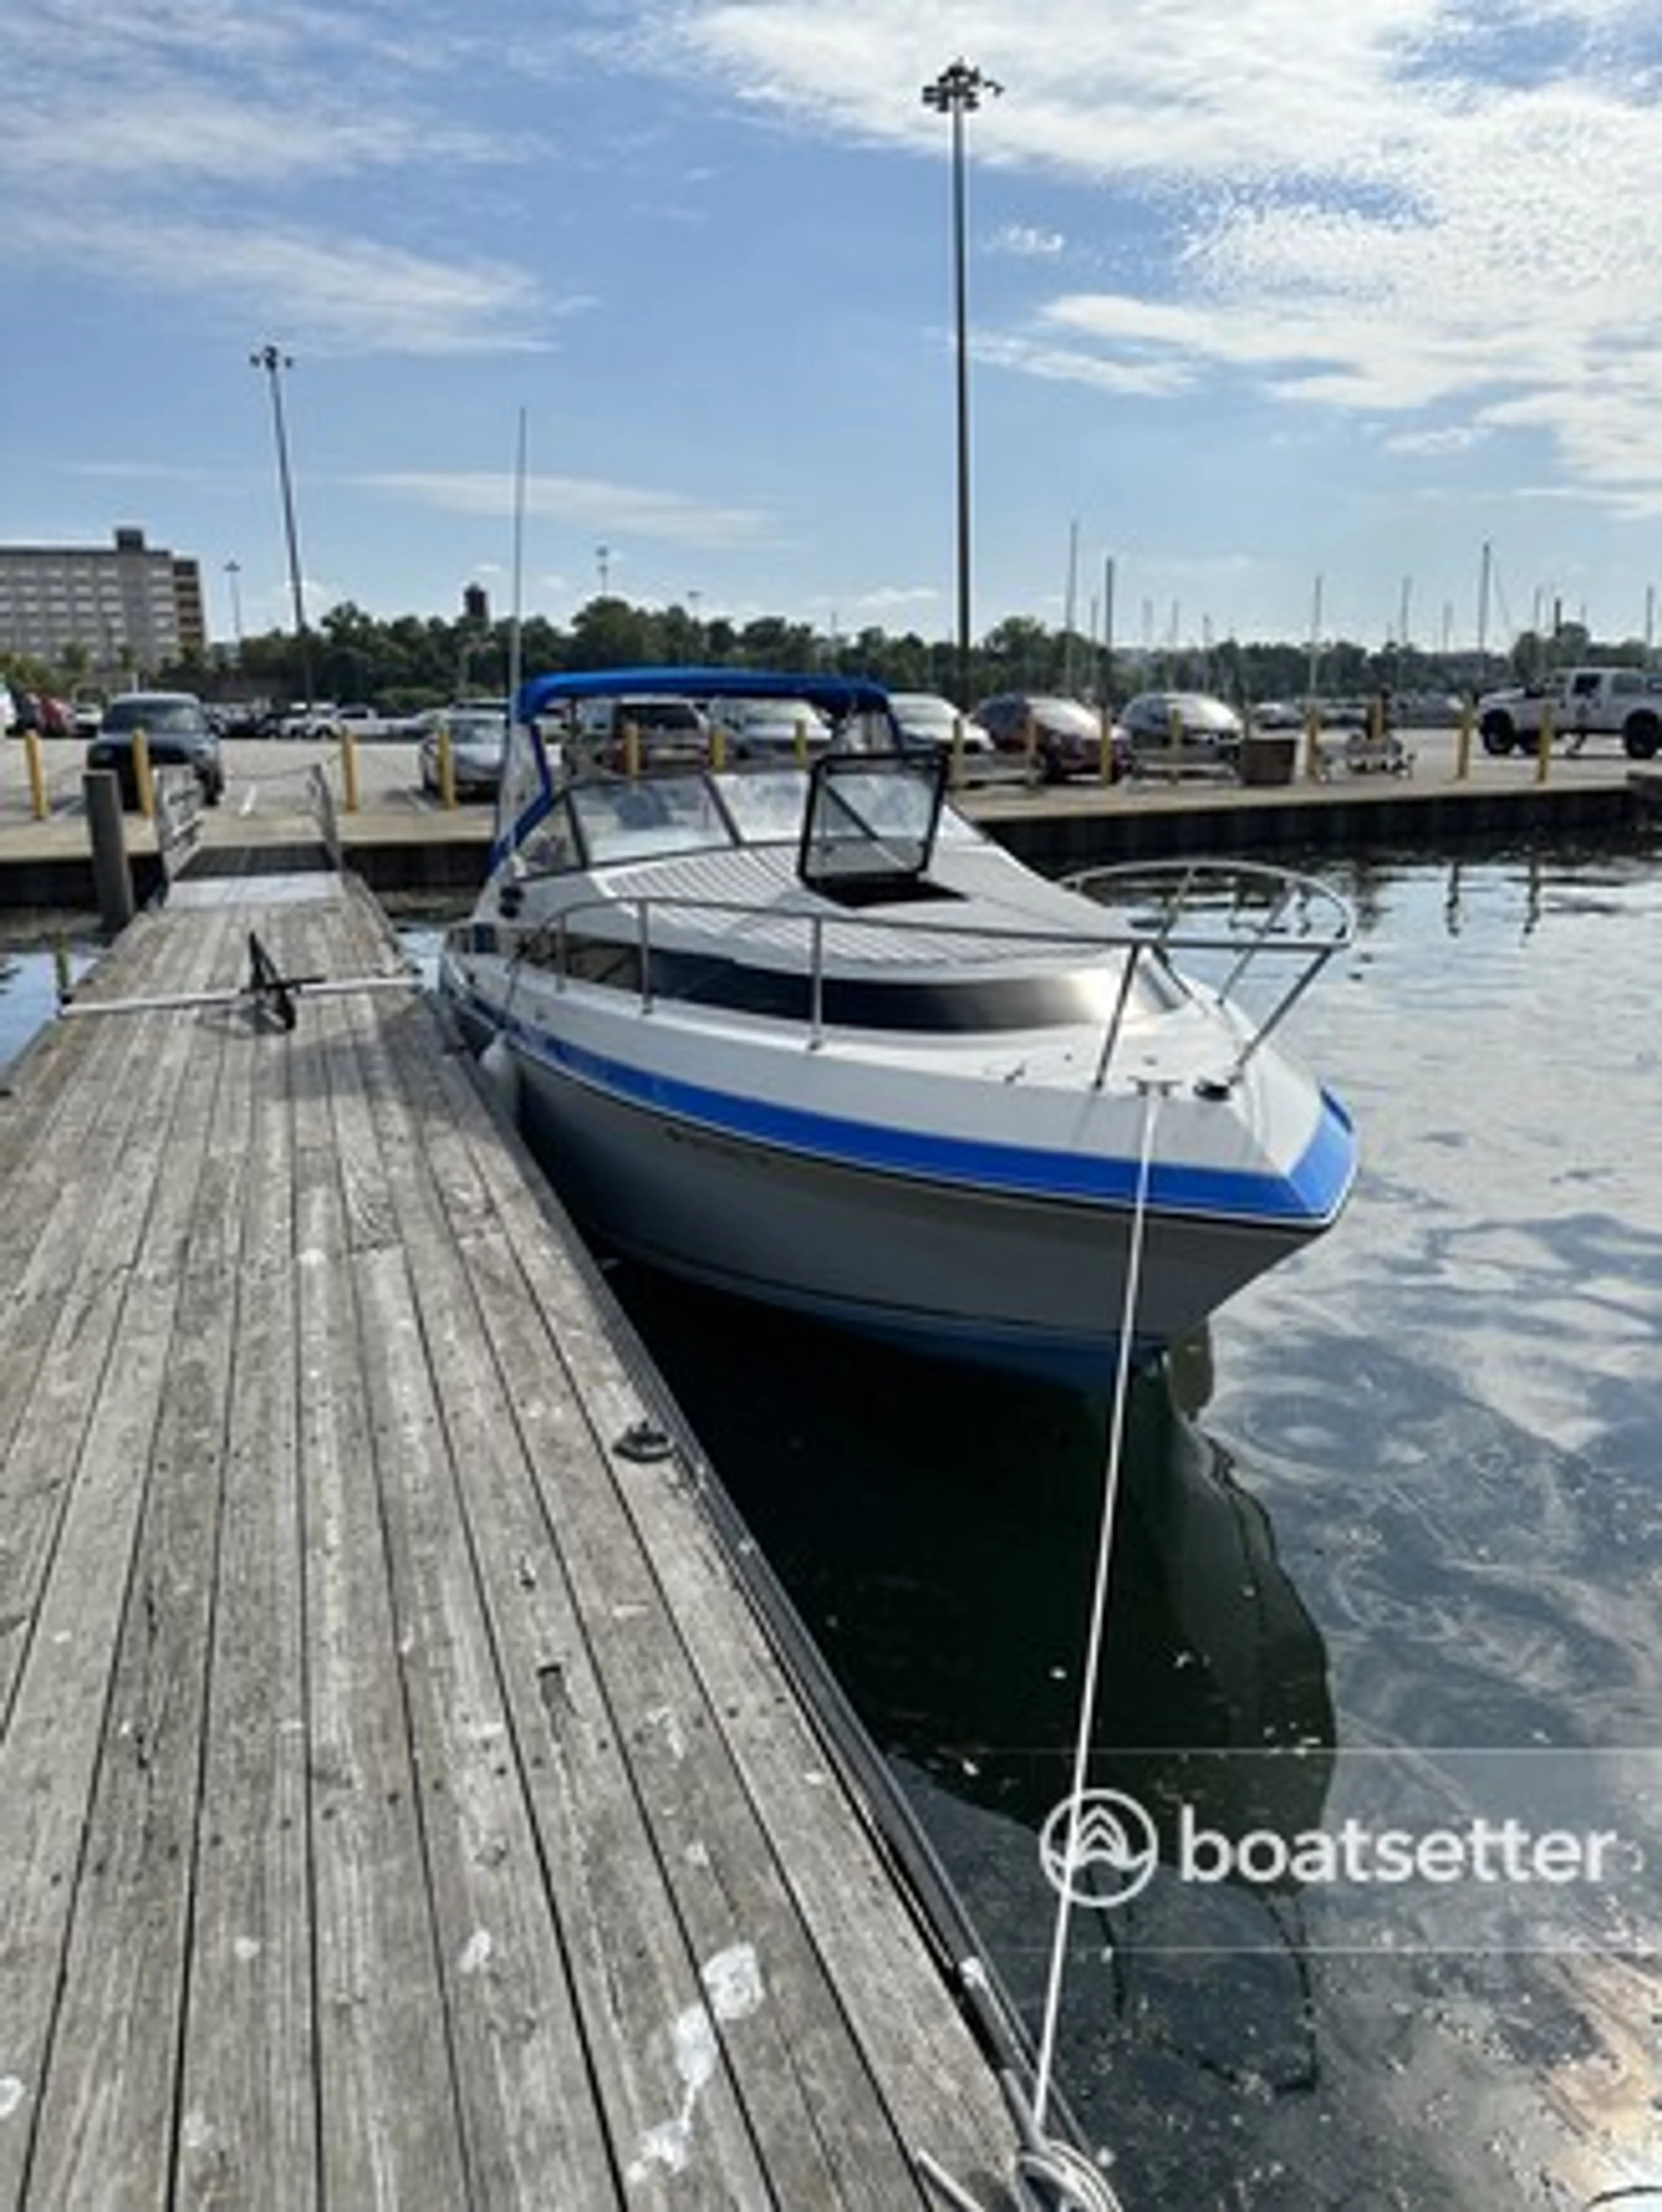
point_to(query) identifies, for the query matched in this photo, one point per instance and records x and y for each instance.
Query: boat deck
(402, 1802)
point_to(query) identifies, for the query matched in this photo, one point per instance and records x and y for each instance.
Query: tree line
(412, 662)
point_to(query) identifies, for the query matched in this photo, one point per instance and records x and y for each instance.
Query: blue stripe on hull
(1309, 1195)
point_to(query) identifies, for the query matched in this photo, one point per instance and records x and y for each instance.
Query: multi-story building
(132, 608)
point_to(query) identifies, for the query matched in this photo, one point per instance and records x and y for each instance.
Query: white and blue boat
(803, 1033)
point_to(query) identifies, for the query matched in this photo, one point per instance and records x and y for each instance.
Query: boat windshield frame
(857, 841)
(851, 836)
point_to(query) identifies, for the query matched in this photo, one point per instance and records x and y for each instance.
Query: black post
(113, 882)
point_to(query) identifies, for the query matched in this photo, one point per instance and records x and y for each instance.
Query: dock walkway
(402, 1802)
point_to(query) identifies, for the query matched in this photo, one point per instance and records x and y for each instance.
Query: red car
(1066, 735)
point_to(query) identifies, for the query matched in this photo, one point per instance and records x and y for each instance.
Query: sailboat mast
(515, 667)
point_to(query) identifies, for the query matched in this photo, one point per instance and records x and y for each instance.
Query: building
(125, 610)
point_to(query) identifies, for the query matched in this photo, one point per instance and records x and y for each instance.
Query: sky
(1279, 314)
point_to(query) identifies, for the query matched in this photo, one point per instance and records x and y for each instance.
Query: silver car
(1207, 731)
(478, 739)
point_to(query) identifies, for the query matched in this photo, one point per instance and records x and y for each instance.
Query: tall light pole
(273, 360)
(234, 573)
(957, 92)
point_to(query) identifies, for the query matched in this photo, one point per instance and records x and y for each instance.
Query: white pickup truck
(1578, 703)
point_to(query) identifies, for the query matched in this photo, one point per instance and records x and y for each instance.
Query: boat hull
(1028, 1282)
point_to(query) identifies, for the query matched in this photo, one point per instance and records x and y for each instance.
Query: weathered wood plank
(54, 1753)
(89, 1197)
(390, 2132)
(247, 2125)
(116, 2039)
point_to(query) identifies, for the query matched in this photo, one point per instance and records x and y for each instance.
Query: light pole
(957, 92)
(234, 573)
(273, 360)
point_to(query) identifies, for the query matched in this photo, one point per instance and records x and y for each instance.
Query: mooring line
(1119, 1413)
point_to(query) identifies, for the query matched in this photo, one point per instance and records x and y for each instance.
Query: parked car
(300, 720)
(771, 729)
(370, 724)
(1170, 729)
(177, 731)
(925, 718)
(479, 740)
(1278, 714)
(1067, 734)
(670, 732)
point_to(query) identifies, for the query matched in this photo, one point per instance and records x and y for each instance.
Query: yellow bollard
(446, 768)
(37, 772)
(349, 771)
(1543, 744)
(1462, 742)
(632, 750)
(143, 781)
(718, 748)
(1312, 743)
(802, 743)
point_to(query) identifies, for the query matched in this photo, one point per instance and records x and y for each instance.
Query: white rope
(1099, 1600)
(1048, 2176)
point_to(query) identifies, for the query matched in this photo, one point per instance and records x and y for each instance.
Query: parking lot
(267, 783)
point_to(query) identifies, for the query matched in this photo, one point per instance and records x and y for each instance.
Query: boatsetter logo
(1474, 1876)
(1112, 1854)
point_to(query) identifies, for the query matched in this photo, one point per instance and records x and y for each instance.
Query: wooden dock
(402, 1802)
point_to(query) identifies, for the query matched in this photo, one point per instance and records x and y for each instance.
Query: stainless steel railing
(1181, 920)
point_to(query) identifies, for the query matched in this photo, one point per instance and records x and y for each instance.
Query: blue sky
(1259, 291)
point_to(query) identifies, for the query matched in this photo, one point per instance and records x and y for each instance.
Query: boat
(804, 1033)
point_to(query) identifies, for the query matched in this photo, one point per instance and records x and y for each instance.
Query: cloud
(1026, 242)
(592, 503)
(1412, 210)
(1391, 206)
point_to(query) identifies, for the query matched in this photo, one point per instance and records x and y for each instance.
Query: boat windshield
(870, 823)
(871, 820)
(622, 819)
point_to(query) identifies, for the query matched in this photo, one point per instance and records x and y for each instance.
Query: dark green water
(1405, 1519)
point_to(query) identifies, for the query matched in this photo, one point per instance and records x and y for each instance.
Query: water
(35, 964)
(1389, 1546)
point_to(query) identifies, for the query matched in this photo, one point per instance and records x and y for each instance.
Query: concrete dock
(398, 839)
(403, 1801)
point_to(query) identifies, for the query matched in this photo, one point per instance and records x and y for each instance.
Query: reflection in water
(938, 1532)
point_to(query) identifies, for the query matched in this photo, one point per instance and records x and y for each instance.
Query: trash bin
(1267, 759)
